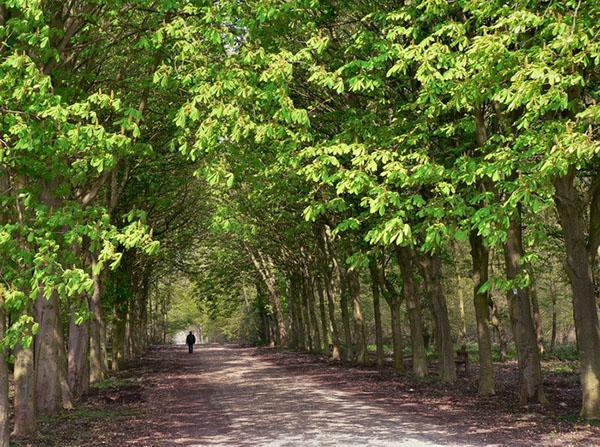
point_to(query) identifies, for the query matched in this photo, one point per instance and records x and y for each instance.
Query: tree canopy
(288, 164)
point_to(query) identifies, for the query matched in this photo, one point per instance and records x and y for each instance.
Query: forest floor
(233, 396)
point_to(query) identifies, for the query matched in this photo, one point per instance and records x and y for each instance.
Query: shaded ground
(245, 397)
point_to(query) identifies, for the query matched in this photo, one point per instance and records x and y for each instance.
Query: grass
(76, 427)
(561, 353)
(90, 414)
(113, 382)
(573, 419)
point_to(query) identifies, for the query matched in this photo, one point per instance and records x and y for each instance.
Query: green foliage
(184, 311)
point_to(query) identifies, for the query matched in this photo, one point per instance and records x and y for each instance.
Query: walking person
(190, 341)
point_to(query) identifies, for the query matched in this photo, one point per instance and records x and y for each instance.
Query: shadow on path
(226, 396)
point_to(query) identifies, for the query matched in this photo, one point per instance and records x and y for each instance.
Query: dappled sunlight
(233, 397)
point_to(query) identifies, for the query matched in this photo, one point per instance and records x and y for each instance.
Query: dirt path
(225, 396)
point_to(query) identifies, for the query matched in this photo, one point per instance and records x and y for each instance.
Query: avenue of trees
(298, 161)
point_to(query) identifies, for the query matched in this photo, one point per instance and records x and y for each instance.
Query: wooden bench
(462, 358)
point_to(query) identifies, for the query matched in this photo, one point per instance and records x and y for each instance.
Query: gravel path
(226, 396)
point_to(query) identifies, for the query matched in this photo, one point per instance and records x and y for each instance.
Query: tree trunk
(432, 272)
(24, 392)
(265, 267)
(118, 336)
(481, 300)
(330, 287)
(49, 357)
(51, 387)
(530, 373)
(554, 318)
(537, 317)
(461, 306)
(496, 323)
(405, 260)
(313, 314)
(299, 314)
(347, 352)
(359, 324)
(265, 333)
(330, 291)
(78, 367)
(323, 315)
(4, 404)
(306, 315)
(129, 342)
(395, 304)
(296, 339)
(377, 314)
(96, 326)
(585, 309)
(140, 317)
(66, 397)
(339, 276)
(461, 300)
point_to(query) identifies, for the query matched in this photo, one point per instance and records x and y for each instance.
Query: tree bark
(24, 402)
(266, 317)
(306, 314)
(49, 352)
(359, 324)
(339, 276)
(395, 304)
(323, 315)
(330, 291)
(432, 272)
(496, 324)
(377, 314)
(118, 336)
(554, 318)
(461, 299)
(585, 309)
(537, 316)
(78, 366)
(295, 337)
(344, 302)
(481, 300)
(96, 325)
(330, 288)
(4, 404)
(405, 261)
(530, 373)
(265, 267)
(316, 330)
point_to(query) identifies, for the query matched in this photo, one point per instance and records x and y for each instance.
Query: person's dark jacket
(191, 339)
